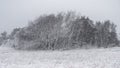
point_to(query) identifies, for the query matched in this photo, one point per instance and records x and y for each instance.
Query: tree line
(65, 31)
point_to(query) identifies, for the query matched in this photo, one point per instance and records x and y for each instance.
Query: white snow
(91, 58)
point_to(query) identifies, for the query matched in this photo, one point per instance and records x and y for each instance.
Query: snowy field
(91, 58)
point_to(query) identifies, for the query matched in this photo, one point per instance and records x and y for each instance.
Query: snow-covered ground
(91, 58)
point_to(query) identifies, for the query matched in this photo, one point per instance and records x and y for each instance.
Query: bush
(65, 31)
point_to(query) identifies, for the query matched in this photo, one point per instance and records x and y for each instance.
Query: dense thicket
(3, 37)
(65, 31)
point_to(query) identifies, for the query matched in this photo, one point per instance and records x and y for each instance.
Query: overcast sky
(17, 13)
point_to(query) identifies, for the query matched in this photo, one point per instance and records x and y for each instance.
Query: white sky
(17, 13)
